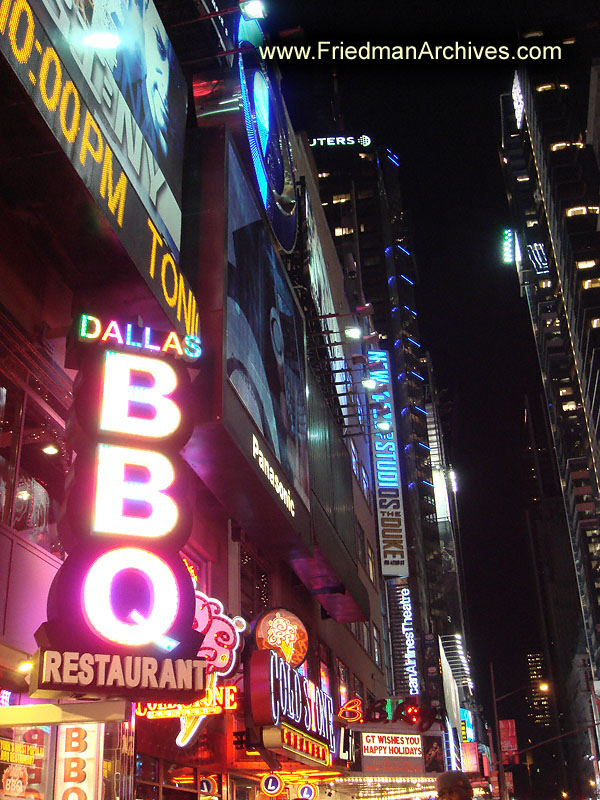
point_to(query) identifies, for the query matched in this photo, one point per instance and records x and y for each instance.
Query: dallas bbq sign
(121, 608)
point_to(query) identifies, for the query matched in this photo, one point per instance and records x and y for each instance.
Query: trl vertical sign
(388, 488)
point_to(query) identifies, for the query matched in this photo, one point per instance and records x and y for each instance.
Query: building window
(365, 480)
(371, 564)
(576, 211)
(588, 263)
(571, 405)
(595, 323)
(545, 284)
(164, 780)
(341, 198)
(343, 682)
(366, 636)
(254, 585)
(34, 457)
(343, 231)
(591, 283)
(360, 543)
(359, 688)
(324, 174)
(354, 456)
(325, 668)
(376, 645)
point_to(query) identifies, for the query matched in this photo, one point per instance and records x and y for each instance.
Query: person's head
(453, 785)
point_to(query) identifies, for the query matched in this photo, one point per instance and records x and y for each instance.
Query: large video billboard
(265, 349)
(119, 115)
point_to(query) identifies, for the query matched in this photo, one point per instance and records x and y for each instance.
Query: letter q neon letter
(119, 393)
(97, 604)
(113, 490)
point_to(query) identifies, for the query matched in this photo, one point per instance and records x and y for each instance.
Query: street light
(543, 687)
(249, 9)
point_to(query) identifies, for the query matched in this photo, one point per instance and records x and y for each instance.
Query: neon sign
(124, 598)
(336, 141)
(284, 632)
(388, 490)
(216, 700)
(128, 335)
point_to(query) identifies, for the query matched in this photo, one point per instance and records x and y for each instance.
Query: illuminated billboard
(264, 345)
(119, 115)
(388, 487)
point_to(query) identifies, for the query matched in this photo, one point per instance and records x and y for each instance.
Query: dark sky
(443, 121)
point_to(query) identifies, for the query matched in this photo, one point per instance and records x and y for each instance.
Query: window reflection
(34, 460)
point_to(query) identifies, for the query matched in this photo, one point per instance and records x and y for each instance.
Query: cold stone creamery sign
(121, 607)
(296, 715)
(391, 745)
(388, 487)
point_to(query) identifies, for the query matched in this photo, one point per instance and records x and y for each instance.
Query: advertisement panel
(119, 115)
(388, 490)
(24, 763)
(470, 757)
(79, 755)
(508, 736)
(264, 346)
(387, 752)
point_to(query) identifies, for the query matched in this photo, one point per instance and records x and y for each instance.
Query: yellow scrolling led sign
(124, 599)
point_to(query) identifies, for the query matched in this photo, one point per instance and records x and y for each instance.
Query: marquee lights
(124, 586)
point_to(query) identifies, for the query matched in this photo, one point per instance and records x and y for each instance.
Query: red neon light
(352, 710)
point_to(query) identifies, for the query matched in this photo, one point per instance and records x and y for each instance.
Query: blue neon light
(404, 250)
(428, 484)
(424, 445)
(422, 410)
(414, 341)
(394, 309)
(416, 374)
(393, 160)
(408, 280)
(255, 149)
(411, 311)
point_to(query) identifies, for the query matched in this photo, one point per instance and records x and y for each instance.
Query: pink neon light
(97, 603)
(160, 416)
(113, 489)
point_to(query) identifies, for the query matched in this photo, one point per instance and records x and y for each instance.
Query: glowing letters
(114, 490)
(93, 329)
(98, 604)
(390, 507)
(158, 416)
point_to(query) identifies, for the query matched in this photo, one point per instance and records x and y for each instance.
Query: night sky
(443, 121)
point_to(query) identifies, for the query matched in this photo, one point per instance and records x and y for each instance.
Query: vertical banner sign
(388, 488)
(119, 115)
(121, 607)
(78, 772)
